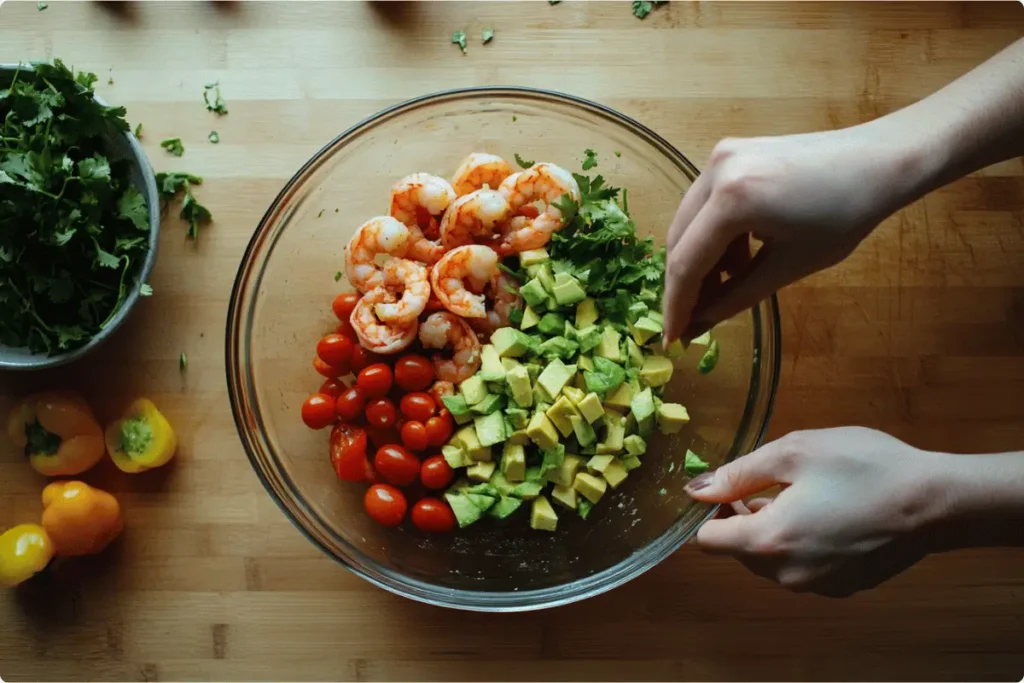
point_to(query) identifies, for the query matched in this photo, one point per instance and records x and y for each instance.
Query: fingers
(733, 535)
(690, 205)
(769, 465)
(757, 504)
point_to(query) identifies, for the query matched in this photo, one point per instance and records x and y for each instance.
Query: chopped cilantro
(218, 105)
(145, 290)
(110, 80)
(514, 118)
(174, 146)
(694, 464)
(522, 162)
(337, 276)
(589, 160)
(320, 214)
(617, 153)
(40, 6)
(459, 38)
(138, 130)
(515, 316)
(182, 361)
(213, 137)
(170, 184)
(641, 8)
(488, 35)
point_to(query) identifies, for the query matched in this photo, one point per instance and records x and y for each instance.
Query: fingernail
(701, 481)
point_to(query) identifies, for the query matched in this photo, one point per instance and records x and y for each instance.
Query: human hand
(856, 508)
(809, 198)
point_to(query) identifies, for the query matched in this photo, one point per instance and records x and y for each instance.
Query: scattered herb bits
(170, 184)
(214, 137)
(589, 159)
(217, 104)
(40, 6)
(488, 35)
(174, 146)
(459, 38)
(138, 131)
(182, 362)
(523, 163)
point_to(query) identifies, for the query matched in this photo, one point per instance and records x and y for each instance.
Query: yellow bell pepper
(58, 433)
(79, 519)
(25, 550)
(142, 439)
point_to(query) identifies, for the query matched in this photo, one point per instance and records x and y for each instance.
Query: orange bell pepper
(58, 432)
(25, 550)
(79, 519)
(142, 439)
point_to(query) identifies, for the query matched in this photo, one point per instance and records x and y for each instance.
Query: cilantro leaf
(138, 131)
(196, 214)
(218, 106)
(213, 137)
(487, 34)
(145, 290)
(522, 162)
(40, 6)
(132, 207)
(182, 361)
(170, 184)
(459, 38)
(641, 8)
(590, 159)
(174, 146)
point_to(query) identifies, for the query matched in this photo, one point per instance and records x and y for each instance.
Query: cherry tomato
(335, 349)
(439, 429)
(375, 380)
(414, 372)
(361, 358)
(345, 328)
(350, 403)
(328, 371)
(333, 387)
(414, 435)
(344, 304)
(381, 436)
(433, 516)
(435, 472)
(397, 465)
(348, 453)
(380, 412)
(318, 411)
(418, 406)
(385, 504)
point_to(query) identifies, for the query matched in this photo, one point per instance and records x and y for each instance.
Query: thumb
(762, 469)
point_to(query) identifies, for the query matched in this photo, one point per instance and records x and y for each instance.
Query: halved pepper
(142, 439)
(25, 550)
(58, 432)
(79, 519)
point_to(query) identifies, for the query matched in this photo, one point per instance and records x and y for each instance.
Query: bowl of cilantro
(79, 216)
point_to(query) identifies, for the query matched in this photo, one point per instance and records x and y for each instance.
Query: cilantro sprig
(170, 185)
(73, 229)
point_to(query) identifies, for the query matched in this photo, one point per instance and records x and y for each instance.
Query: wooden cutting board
(920, 332)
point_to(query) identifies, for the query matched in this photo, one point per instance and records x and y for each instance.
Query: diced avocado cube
(590, 407)
(466, 438)
(481, 471)
(599, 463)
(635, 310)
(558, 347)
(694, 464)
(607, 375)
(553, 460)
(487, 406)
(551, 324)
(520, 387)
(465, 511)
(631, 463)
(532, 257)
(456, 405)
(566, 473)
(534, 294)
(527, 490)
(615, 473)
(615, 433)
(491, 369)
(589, 486)
(643, 329)
(497, 388)
(645, 427)
(702, 340)
(541, 407)
(559, 414)
(631, 425)
(510, 342)
(586, 313)
(585, 434)
(589, 338)
(709, 360)
(564, 495)
(585, 363)
(621, 397)
(501, 484)
(542, 515)
(609, 344)
(473, 389)
(656, 317)
(505, 506)
(530, 319)
(513, 462)
(518, 417)
(533, 369)
(510, 364)
(671, 417)
(579, 381)
(534, 474)
(642, 405)
(573, 394)
(583, 507)
(542, 432)
(481, 501)
(555, 376)
(635, 445)
(656, 371)
(483, 488)
(546, 277)
(569, 331)
(455, 456)
(568, 291)
(675, 349)
(635, 355)
(519, 437)
(490, 429)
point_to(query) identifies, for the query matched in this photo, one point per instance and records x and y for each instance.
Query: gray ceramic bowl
(118, 146)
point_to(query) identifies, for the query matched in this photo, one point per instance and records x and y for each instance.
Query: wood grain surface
(920, 332)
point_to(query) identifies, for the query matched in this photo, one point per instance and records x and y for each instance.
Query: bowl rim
(39, 361)
(402, 585)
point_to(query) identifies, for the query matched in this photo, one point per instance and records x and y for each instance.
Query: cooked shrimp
(440, 389)
(411, 278)
(419, 198)
(535, 191)
(444, 329)
(473, 265)
(422, 248)
(479, 170)
(380, 235)
(503, 292)
(375, 335)
(473, 218)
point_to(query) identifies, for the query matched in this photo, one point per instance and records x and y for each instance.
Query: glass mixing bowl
(281, 305)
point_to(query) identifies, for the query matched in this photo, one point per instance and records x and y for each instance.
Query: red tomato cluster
(385, 408)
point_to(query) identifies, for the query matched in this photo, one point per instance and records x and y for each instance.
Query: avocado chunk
(513, 462)
(621, 397)
(490, 429)
(564, 495)
(675, 349)
(656, 317)
(585, 434)
(588, 338)
(636, 356)
(609, 345)
(456, 405)
(505, 506)
(501, 484)
(553, 460)
(558, 347)
(455, 456)
(481, 471)
(635, 445)
(569, 331)
(491, 369)
(509, 342)
(615, 473)
(606, 376)
(635, 310)
(583, 507)
(656, 371)
(480, 500)
(532, 257)
(589, 486)
(631, 463)
(535, 295)
(590, 407)
(487, 406)
(473, 390)
(567, 290)
(541, 431)
(645, 328)
(599, 463)
(559, 415)
(467, 438)
(573, 394)
(551, 324)
(585, 363)
(555, 376)
(615, 433)
(642, 405)
(518, 437)
(518, 417)
(465, 511)
(527, 490)
(483, 488)
(709, 360)
(671, 417)
(694, 464)
(566, 472)
(530, 319)
(533, 370)
(702, 340)
(542, 515)
(519, 386)
(586, 313)
(545, 276)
